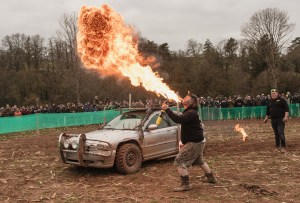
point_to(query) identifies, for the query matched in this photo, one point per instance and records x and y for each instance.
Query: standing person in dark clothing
(239, 102)
(192, 142)
(248, 101)
(224, 103)
(278, 112)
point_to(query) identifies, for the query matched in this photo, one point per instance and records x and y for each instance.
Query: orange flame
(241, 130)
(107, 44)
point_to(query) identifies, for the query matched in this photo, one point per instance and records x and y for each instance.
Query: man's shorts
(190, 154)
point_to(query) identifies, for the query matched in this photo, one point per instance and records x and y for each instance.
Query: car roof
(142, 110)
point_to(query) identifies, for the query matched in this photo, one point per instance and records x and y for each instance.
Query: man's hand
(266, 120)
(285, 119)
(180, 145)
(164, 106)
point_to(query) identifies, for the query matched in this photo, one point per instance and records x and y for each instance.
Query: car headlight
(66, 144)
(74, 144)
(103, 146)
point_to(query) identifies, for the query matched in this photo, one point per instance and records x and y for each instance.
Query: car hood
(109, 135)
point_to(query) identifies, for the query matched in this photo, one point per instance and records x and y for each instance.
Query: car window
(164, 123)
(126, 121)
(169, 120)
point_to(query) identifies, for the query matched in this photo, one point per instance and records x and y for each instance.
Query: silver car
(125, 142)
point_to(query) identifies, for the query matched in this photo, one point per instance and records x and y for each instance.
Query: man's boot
(185, 184)
(210, 178)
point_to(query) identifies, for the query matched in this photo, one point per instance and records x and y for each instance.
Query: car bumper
(82, 157)
(88, 159)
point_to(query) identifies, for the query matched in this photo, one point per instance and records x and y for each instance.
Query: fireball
(107, 44)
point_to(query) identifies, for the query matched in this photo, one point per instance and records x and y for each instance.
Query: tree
(193, 48)
(147, 47)
(68, 33)
(15, 53)
(230, 49)
(294, 44)
(272, 25)
(293, 54)
(164, 50)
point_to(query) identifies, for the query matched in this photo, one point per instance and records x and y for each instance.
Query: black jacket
(191, 130)
(276, 108)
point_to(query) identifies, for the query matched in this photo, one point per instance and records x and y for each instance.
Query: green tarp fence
(41, 121)
(241, 112)
(54, 120)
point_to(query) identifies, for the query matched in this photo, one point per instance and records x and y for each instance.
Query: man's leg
(208, 173)
(182, 161)
(185, 180)
(276, 133)
(203, 165)
(281, 126)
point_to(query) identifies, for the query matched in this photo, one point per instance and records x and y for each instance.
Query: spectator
(230, 102)
(86, 107)
(79, 107)
(257, 101)
(46, 109)
(111, 106)
(224, 103)
(54, 108)
(209, 102)
(202, 102)
(216, 103)
(278, 112)
(17, 112)
(239, 102)
(73, 108)
(7, 111)
(264, 100)
(296, 98)
(248, 101)
(96, 101)
(107, 101)
(1, 111)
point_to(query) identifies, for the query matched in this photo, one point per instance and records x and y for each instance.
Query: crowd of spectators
(108, 104)
(247, 101)
(95, 105)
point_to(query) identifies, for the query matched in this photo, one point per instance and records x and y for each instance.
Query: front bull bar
(80, 149)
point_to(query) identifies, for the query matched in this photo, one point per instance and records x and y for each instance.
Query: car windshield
(126, 121)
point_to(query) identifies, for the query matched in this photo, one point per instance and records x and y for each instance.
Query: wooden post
(129, 101)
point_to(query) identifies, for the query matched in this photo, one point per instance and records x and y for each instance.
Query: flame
(241, 130)
(106, 43)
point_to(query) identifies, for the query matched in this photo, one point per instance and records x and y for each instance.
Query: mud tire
(128, 158)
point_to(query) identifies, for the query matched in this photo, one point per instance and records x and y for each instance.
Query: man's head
(274, 93)
(190, 100)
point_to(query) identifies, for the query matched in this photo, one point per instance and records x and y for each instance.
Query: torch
(162, 112)
(160, 117)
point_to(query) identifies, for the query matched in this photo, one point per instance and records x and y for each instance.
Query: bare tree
(14, 46)
(193, 48)
(271, 24)
(68, 32)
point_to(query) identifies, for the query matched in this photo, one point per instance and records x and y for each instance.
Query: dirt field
(31, 170)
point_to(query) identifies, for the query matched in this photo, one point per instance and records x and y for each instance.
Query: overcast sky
(171, 21)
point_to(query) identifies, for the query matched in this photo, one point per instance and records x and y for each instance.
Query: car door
(161, 141)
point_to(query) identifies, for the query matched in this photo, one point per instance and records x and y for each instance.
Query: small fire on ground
(242, 131)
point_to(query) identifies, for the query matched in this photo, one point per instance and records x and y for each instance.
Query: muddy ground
(31, 170)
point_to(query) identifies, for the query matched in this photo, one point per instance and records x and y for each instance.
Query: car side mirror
(152, 127)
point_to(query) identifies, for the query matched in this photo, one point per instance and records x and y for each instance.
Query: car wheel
(128, 158)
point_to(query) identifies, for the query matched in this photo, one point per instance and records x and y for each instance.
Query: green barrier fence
(41, 121)
(54, 120)
(241, 112)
